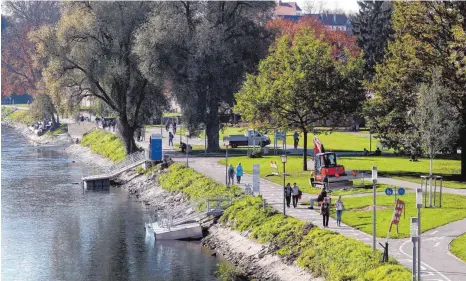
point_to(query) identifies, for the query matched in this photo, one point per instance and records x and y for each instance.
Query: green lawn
(293, 170)
(23, 105)
(337, 141)
(171, 114)
(359, 215)
(402, 168)
(458, 247)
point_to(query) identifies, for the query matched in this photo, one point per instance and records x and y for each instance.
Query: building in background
(291, 11)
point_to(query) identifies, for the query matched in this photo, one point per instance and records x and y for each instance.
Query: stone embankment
(28, 133)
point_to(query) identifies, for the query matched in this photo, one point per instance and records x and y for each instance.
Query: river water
(51, 230)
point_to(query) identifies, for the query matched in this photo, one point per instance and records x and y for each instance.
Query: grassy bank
(18, 116)
(105, 143)
(358, 213)
(458, 247)
(7, 110)
(323, 252)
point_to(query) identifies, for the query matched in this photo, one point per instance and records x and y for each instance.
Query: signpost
(415, 240)
(256, 178)
(374, 206)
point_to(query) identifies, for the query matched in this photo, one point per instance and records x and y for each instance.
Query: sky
(349, 6)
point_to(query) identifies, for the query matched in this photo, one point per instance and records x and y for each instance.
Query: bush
(106, 144)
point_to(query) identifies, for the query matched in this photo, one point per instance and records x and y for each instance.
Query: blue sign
(401, 191)
(389, 191)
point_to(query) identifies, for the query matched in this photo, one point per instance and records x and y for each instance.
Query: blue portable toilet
(155, 147)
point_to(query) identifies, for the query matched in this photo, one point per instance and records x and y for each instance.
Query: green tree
(373, 28)
(435, 118)
(42, 108)
(204, 49)
(300, 83)
(90, 54)
(428, 35)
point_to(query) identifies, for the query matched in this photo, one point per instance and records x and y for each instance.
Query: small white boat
(176, 232)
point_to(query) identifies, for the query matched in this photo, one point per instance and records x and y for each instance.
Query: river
(51, 230)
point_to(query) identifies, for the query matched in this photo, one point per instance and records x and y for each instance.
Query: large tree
(428, 35)
(204, 49)
(21, 73)
(90, 53)
(373, 28)
(303, 84)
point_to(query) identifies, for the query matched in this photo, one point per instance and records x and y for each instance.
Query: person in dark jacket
(288, 194)
(325, 212)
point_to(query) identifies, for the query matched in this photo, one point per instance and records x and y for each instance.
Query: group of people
(377, 152)
(292, 193)
(325, 203)
(232, 171)
(167, 126)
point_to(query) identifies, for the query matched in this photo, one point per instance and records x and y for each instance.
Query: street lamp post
(283, 158)
(187, 148)
(374, 206)
(226, 142)
(419, 206)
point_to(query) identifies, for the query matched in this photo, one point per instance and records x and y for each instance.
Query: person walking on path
(288, 194)
(239, 173)
(295, 191)
(174, 127)
(167, 125)
(325, 212)
(339, 207)
(231, 174)
(296, 140)
(170, 139)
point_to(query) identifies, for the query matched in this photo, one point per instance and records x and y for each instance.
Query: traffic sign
(401, 191)
(388, 191)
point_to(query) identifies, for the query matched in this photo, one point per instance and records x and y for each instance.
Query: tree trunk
(212, 129)
(305, 150)
(127, 133)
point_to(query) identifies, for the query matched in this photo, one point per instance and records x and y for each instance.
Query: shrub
(106, 144)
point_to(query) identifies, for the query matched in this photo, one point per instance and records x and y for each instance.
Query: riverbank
(11, 118)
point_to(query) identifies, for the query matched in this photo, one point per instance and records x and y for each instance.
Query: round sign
(389, 191)
(401, 191)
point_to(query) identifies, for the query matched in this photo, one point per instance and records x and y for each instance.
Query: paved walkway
(449, 269)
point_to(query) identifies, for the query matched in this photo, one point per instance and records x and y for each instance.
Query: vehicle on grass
(250, 138)
(327, 173)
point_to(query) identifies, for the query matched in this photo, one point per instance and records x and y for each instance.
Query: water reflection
(52, 231)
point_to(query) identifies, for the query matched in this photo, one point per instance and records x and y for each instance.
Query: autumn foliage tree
(340, 42)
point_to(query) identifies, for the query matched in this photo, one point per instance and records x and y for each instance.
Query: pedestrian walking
(325, 211)
(239, 173)
(174, 127)
(295, 191)
(143, 132)
(231, 174)
(288, 194)
(296, 139)
(167, 125)
(339, 207)
(170, 138)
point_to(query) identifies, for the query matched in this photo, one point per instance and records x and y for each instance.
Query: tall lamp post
(419, 206)
(374, 206)
(226, 142)
(283, 158)
(187, 148)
